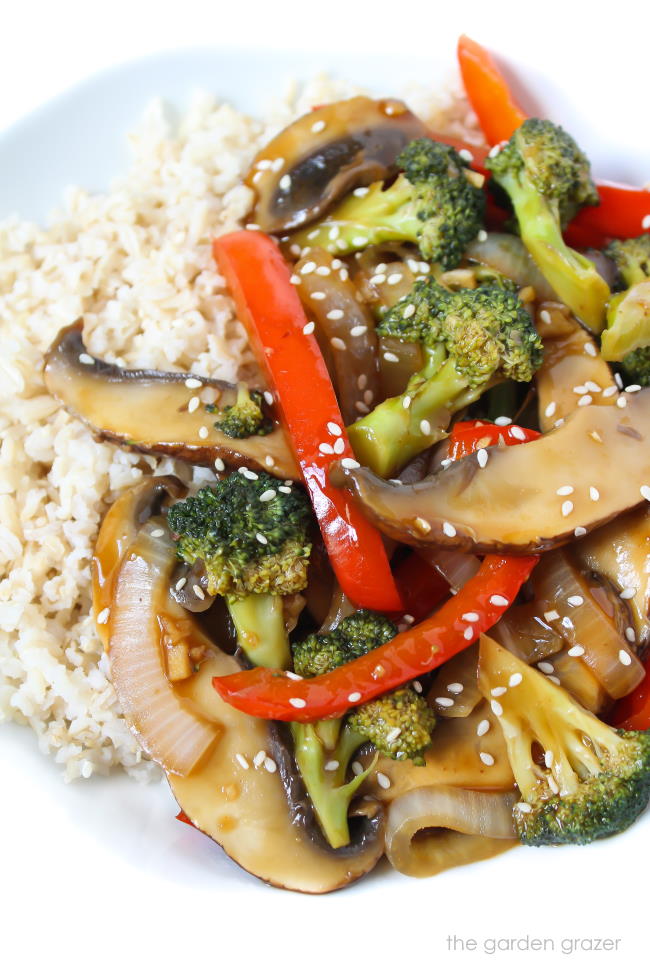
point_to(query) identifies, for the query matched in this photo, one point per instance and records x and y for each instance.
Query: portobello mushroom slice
(527, 498)
(323, 155)
(155, 412)
(573, 371)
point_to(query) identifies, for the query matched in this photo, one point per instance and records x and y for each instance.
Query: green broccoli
(398, 724)
(636, 366)
(548, 180)
(434, 203)
(245, 418)
(632, 260)
(252, 533)
(579, 779)
(472, 338)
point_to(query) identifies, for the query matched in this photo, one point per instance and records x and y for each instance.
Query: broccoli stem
(329, 792)
(261, 633)
(393, 433)
(572, 276)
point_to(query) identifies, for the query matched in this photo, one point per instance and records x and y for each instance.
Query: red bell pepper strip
(421, 586)
(633, 712)
(468, 435)
(624, 211)
(268, 305)
(182, 818)
(271, 694)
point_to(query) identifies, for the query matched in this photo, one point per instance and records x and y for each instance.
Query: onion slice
(469, 826)
(168, 727)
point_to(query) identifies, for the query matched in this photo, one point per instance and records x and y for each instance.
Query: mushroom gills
(156, 412)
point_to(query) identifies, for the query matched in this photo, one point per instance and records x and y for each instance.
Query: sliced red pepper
(468, 435)
(270, 694)
(182, 818)
(633, 712)
(268, 305)
(421, 586)
(624, 211)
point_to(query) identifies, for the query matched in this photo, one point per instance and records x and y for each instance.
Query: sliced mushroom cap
(572, 368)
(322, 155)
(527, 498)
(155, 412)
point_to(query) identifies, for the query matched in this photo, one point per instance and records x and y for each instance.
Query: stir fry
(410, 615)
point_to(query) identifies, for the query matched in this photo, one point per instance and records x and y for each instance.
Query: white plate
(108, 856)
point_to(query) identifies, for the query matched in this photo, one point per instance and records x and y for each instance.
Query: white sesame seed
(567, 508)
(550, 409)
(338, 343)
(517, 433)
(553, 680)
(546, 667)
(482, 727)
(359, 241)
(324, 271)
(575, 600)
(393, 734)
(268, 495)
(610, 391)
(548, 758)
(295, 279)
(576, 651)
(378, 279)
(551, 615)
(335, 314)
(262, 539)
(630, 634)
(318, 126)
(394, 278)
(579, 390)
(425, 427)
(417, 686)
(285, 182)
(621, 402)
(498, 691)
(181, 582)
(361, 406)
(567, 622)
(486, 758)
(269, 461)
(339, 445)
(467, 156)
(579, 531)
(515, 680)
(308, 268)
(445, 702)
(448, 529)
(158, 533)
(645, 491)
(326, 448)
(503, 421)
(593, 387)
(331, 766)
(219, 464)
(565, 490)
(308, 328)
(357, 330)
(203, 433)
(455, 688)
(193, 383)
(86, 359)
(406, 402)
(258, 761)
(408, 618)
(263, 164)
(242, 761)
(496, 708)
(634, 388)
(497, 600)
(193, 404)
(482, 234)
(252, 226)
(361, 191)
(391, 357)
(333, 234)
(317, 295)
(290, 674)
(482, 457)
(545, 316)
(270, 765)
(523, 807)
(625, 658)
(198, 592)
(409, 311)
(383, 781)
(350, 464)
(334, 429)
(645, 223)
(628, 593)
(297, 702)
(470, 617)
(103, 616)
(249, 475)
(354, 697)
(585, 400)
(468, 633)
(590, 349)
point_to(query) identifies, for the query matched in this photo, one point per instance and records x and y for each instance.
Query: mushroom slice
(527, 498)
(322, 155)
(155, 412)
(573, 371)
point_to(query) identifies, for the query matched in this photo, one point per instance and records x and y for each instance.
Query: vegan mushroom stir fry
(410, 615)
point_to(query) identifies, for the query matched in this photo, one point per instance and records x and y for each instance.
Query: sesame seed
(181, 582)
(567, 622)
(592, 387)
(86, 359)
(517, 433)
(409, 311)
(634, 388)
(103, 616)
(482, 234)
(383, 781)
(645, 223)
(498, 691)
(308, 328)
(339, 446)
(324, 271)
(482, 727)
(249, 475)
(645, 492)
(334, 429)
(354, 697)
(468, 633)
(393, 734)
(546, 667)
(579, 531)
(333, 234)
(497, 600)
(630, 634)
(326, 448)
(259, 758)
(627, 593)
(579, 389)
(378, 279)
(309, 267)
(567, 508)
(515, 680)
(590, 349)
(391, 357)
(219, 464)
(550, 409)
(408, 618)
(625, 658)
(455, 688)
(523, 807)
(193, 383)
(576, 651)
(448, 529)
(621, 402)
(158, 533)
(193, 404)
(357, 330)
(445, 702)
(394, 278)
(203, 433)
(361, 406)
(269, 461)
(318, 126)
(585, 400)
(335, 314)
(610, 391)
(252, 226)
(545, 316)
(285, 182)
(242, 761)
(496, 708)
(359, 241)
(270, 765)
(468, 157)
(290, 674)
(417, 686)
(575, 600)
(486, 758)
(198, 592)
(548, 759)
(554, 680)
(262, 539)
(338, 343)
(425, 427)
(503, 421)
(317, 295)
(268, 495)
(565, 490)
(295, 279)
(470, 617)
(406, 402)
(482, 457)
(297, 702)
(350, 464)
(263, 164)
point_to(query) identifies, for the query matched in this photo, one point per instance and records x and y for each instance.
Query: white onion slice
(167, 726)
(469, 826)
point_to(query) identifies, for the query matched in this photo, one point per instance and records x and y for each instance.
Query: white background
(80, 891)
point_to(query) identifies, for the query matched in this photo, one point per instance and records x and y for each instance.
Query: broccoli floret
(473, 338)
(254, 541)
(637, 366)
(434, 203)
(632, 260)
(548, 180)
(398, 724)
(245, 418)
(579, 779)
(628, 323)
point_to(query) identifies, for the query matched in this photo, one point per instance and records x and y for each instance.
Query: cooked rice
(136, 264)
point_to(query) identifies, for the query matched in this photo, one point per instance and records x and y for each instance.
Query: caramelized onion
(168, 727)
(468, 825)
(456, 568)
(507, 254)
